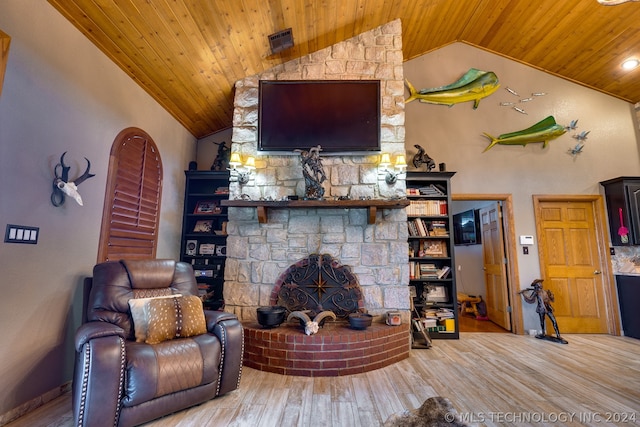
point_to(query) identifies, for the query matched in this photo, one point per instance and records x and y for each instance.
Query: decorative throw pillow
(140, 314)
(171, 318)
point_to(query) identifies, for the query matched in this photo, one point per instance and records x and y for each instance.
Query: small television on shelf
(466, 228)
(342, 116)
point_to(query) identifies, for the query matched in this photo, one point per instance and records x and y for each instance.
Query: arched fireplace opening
(319, 283)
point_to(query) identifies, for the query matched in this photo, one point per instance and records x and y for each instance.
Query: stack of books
(430, 320)
(429, 190)
(438, 228)
(427, 271)
(444, 313)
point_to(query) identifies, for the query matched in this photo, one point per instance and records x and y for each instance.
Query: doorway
(509, 304)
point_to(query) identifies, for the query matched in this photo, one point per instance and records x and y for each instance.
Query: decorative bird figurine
(572, 126)
(577, 149)
(582, 136)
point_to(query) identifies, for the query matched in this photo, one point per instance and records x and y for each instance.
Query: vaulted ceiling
(188, 54)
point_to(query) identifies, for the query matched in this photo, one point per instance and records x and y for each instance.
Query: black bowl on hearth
(360, 320)
(271, 316)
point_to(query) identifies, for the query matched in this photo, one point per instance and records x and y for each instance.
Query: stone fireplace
(316, 284)
(259, 251)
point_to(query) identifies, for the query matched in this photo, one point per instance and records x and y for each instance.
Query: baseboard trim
(33, 404)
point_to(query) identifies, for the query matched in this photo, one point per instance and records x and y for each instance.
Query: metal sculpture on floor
(543, 299)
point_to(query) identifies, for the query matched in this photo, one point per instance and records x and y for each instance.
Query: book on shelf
(422, 227)
(419, 227)
(413, 231)
(444, 272)
(427, 208)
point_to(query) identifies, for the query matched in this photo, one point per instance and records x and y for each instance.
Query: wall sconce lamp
(391, 174)
(239, 172)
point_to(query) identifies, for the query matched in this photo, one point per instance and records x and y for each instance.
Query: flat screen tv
(466, 228)
(342, 116)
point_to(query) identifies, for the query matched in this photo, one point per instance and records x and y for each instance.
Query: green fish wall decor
(472, 86)
(543, 131)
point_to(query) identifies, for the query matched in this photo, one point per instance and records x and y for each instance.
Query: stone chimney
(377, 253)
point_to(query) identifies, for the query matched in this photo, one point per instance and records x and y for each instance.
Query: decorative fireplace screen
(318, 283)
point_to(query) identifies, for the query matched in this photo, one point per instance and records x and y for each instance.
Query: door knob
(597, 272)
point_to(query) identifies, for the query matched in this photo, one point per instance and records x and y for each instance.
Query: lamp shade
(401, 162)
(385, 159)
(235, 159)
(250, 163)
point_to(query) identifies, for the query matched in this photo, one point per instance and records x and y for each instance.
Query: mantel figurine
(422, 158)
(313, 172)
(221, 162)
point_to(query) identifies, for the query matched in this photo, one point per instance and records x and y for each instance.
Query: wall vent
(281, 40)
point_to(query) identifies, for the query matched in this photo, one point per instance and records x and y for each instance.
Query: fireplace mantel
(371, 205)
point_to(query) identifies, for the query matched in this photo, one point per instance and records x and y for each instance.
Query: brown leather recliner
(123, 381)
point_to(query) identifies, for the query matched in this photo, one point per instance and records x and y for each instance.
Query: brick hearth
(334, 351)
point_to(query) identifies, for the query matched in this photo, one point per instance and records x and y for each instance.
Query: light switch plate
(21, 234)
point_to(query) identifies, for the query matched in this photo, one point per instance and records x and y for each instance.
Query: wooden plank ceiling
(187, 54)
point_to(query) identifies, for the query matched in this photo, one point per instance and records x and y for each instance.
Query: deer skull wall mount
(62, 186)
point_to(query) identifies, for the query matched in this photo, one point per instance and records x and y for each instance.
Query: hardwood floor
(491, 379)
(470, 324)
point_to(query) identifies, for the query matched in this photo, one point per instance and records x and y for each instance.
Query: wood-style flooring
(491, 379)
(468, 323)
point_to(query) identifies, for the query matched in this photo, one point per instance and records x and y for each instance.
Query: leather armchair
(119, 381)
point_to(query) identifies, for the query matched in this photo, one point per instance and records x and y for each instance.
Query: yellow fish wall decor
(472, 86)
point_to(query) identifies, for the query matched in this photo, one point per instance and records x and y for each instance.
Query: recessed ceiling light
(613, 2)
(630, 64)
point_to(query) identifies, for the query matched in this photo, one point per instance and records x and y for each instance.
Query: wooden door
(571, 264)
(495, 266)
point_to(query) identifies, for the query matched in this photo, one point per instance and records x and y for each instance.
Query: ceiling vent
(281, 40)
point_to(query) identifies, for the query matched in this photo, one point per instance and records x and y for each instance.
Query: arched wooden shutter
(131, 212)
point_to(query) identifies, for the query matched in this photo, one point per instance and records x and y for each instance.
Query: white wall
(469, 258)
(62, 94)
(453, 135)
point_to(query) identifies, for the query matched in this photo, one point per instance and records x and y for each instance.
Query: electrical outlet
(525, 250)
(612, 251)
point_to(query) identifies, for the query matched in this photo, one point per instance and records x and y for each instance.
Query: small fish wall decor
(514, 104)
(474, 85)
